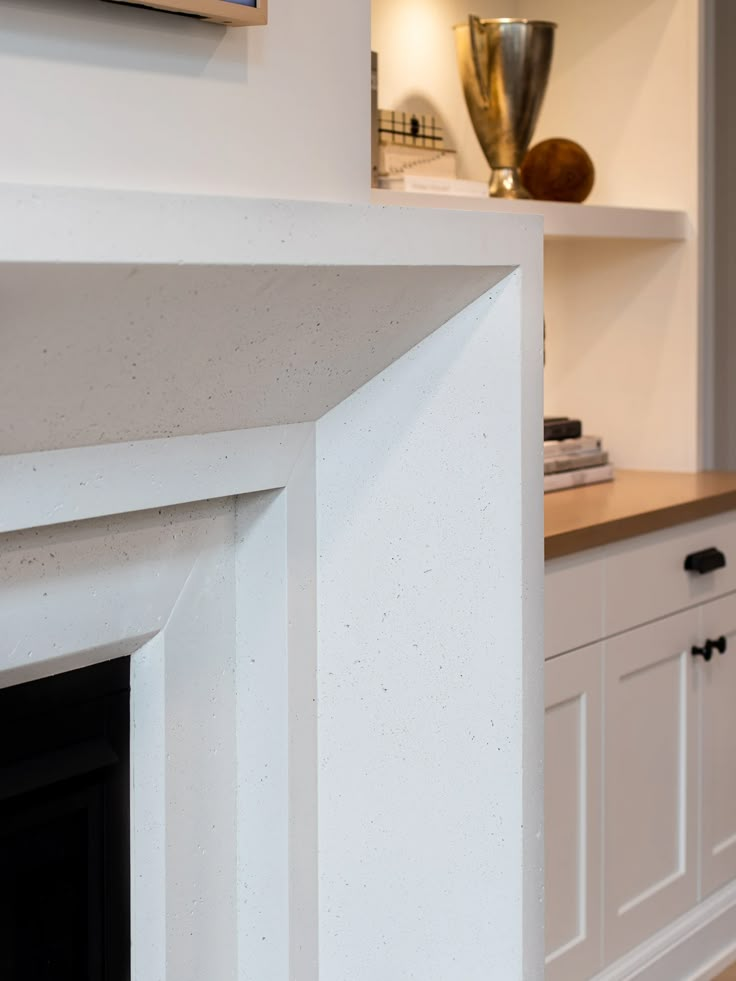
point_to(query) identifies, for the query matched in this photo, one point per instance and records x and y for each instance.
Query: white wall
(624, 83)
(100, 95)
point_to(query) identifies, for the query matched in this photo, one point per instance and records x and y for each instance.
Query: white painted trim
(52, 487)
(687, 945)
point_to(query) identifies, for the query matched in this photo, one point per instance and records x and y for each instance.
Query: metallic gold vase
(504, 67)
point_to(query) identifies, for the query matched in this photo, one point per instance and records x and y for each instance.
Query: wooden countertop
(636, 502)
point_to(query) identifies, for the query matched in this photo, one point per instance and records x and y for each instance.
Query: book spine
(577, 461)
(577, 478)
(563, 429)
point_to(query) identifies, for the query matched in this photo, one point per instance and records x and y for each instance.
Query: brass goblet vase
(504, 66)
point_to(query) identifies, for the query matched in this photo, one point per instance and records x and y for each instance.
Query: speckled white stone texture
(337, 684)
(421, 662)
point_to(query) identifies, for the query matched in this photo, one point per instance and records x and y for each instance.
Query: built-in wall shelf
(560, 220)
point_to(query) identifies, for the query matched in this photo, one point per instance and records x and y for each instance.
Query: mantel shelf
(225, 313)
(100, 226)
(560, 220)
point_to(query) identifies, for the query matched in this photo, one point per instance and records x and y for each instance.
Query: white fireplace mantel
(286, 454)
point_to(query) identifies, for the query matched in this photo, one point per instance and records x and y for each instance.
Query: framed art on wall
(233, 13)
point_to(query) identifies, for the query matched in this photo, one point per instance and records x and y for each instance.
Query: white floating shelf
(560, 220)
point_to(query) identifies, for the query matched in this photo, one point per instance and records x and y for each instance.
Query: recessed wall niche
(623, 317)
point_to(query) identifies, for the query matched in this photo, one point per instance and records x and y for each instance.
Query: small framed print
(234, 13)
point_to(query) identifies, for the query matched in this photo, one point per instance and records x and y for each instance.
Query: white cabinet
(573, 814)
(717, 687)
(649, 798)
(640, 746)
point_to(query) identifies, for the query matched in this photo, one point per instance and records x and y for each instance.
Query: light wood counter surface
(636, 502)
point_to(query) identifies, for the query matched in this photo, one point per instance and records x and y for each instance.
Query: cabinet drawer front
(646, 578)
(573, 604)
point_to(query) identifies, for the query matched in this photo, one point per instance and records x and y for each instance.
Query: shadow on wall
(418, 104)
(92, 32)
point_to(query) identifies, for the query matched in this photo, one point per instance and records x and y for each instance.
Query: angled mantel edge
(142, 316)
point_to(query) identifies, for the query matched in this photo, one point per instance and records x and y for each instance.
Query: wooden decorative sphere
(558, 170)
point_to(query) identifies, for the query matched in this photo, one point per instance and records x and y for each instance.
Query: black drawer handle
(708, 560)
(706, 651)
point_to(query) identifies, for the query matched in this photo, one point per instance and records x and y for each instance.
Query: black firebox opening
(64, 827)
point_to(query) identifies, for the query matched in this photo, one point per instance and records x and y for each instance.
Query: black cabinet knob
(718, 645)
(708, 560)
(705, 652)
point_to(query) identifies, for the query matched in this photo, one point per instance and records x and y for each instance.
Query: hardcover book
(562, 428)
(567, 447)
(577, 478)
(575, 461)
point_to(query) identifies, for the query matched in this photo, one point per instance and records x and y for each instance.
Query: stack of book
(572, 459)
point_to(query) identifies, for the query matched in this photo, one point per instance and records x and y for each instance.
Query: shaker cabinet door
(572, 800)
(717, 684)
(649, 786)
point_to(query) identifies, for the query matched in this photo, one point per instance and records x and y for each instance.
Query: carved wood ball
(558, 170)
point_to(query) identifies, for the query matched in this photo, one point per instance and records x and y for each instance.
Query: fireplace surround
(313, 523)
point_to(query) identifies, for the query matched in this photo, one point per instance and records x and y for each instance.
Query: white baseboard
(696, 947)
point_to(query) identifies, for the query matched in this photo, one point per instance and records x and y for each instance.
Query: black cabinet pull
(708, 560)
(705, 652)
